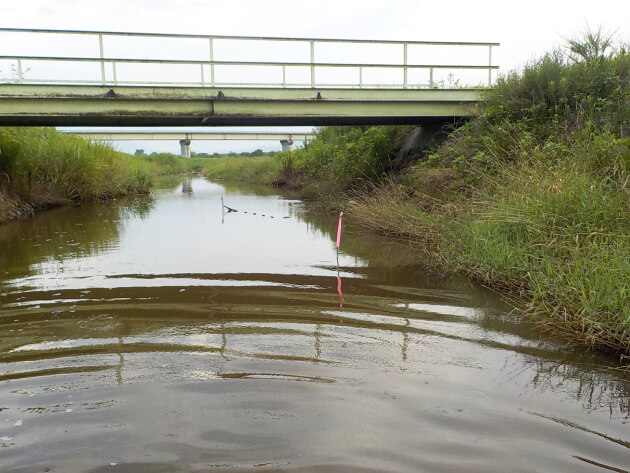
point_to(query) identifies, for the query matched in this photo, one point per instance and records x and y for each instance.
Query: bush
(344, 154)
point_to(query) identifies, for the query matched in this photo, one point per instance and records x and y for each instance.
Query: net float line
(232, 210)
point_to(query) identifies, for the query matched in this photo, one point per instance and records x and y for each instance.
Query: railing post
(405, 65)
(114, 71)
(489, 65)
(360, 77)
(211, 45)
(431, 77)
(312, 64)
(284, 76)
(203, 81)
(20, 74)
(102, 56)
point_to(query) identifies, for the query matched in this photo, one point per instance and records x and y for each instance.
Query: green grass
(42, 159)
(340, 158)
(337, 160)
(533, 196)
(44, 167)
(167, 163)
(255, 170)
(558, 233)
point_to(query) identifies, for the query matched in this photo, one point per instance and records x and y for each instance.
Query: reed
(41, 167)
(43, 160)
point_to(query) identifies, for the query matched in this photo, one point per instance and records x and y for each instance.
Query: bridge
(99, 78)
(185, 138)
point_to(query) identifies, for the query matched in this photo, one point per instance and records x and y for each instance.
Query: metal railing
(208, 67)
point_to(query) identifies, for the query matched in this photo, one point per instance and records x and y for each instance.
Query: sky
(525, 29)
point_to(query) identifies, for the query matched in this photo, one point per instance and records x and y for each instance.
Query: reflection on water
(144, 335)
(65, 233)
(339, 283)
(187, 187)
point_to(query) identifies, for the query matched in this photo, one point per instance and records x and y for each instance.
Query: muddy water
(161, 335)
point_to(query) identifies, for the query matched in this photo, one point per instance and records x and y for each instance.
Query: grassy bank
(531, 196)
(265, 170)
(162, 164)
(41, 167)
(339, 159)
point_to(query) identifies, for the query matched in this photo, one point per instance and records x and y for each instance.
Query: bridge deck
(152, 79)
(81, 105)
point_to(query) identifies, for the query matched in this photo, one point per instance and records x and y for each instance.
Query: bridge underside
(75, 105)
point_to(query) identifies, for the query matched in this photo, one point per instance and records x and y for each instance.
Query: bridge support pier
(287, 145)
(185, 147)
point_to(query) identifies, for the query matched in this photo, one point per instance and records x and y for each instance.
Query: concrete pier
(287, 145)
(185, 146)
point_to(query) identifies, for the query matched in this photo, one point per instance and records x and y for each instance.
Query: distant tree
(139, 152)
(257, 152)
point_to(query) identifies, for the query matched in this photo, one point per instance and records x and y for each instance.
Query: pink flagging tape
(339, 229)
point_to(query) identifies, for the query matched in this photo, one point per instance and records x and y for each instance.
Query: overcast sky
(524, 29)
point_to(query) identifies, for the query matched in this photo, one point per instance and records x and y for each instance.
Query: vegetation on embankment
(254, 170)
(323, 172)
(531, 196)
(41, 167)
(162, 164)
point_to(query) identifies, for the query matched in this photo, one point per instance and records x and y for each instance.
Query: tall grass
(533, 195)
(255, 170)
(340, 158)
(45, 161)
(336, 161)
(167, 163)
(559, 234)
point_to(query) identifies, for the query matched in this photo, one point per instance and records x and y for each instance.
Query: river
(164, 335)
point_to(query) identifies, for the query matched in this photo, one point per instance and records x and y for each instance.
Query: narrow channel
(163, 334)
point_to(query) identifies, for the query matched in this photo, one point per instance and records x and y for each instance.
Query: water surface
(164, 335)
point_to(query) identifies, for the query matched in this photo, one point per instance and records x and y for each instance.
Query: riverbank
(42, 168)
(531, 197)
(262, 170)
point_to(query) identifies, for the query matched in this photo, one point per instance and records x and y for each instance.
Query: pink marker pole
(339, 229)
(339, 292)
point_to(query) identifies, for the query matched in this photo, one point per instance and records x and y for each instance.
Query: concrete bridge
(185, 138)
(137, 79)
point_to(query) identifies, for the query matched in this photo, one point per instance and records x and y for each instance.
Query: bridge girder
(194, 136)
(80, 105)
